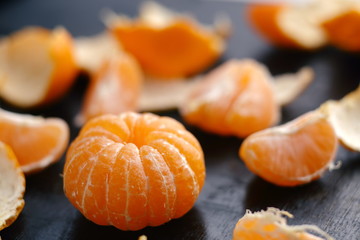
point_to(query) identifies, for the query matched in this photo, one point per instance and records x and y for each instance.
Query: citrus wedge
(237, 98)
(167, 44)
(271, 225)
(36, 66)
(295, 153)
(12, 187)
(115, 88)
(37, 142)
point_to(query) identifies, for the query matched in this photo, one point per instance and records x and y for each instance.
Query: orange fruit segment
(343, 30)
(344, 116)
(167, 44)
(295, 153)
(295, 25)
(236, 98)
(37, 142)
(37, 59)
(133, 170)
(114, 88)
(272, 225)
(12, 187)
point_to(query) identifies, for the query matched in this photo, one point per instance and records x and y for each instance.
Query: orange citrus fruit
(37, 59)
(115, 88)
(166, 44)
(37, 142)
(236, 98)
(294, 153)
(12, 187)
(133, 170)
(343, 30)
(271, 225)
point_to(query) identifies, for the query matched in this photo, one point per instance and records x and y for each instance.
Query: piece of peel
(296, 25)
(168, 44)
(158, 95)
(91, 52)
(12, 187)
(344, 115)
(37, 66)
(343, 30)
(289, 86)
(271, 224)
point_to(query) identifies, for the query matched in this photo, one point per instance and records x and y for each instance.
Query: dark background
(332, 203)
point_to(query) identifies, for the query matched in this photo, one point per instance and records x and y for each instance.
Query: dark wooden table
(332, 203)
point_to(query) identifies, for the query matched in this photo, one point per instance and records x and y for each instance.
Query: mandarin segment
(115, 88)
(236, 98)
(36, 141)
(272, 225)
(167, 44)
(37, 59)
(12, 187)
(295, 153)
(144, 171)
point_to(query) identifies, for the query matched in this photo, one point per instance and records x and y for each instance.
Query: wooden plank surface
(332, 203)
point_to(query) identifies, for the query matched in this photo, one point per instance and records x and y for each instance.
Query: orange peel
(91, 52)
(168, 44)
(289, 86)
(344, 115)
(36, 141)
(343, 30)
(37, 59)
(272, 224)
(296, 25)
(158, 95)
(12, 187)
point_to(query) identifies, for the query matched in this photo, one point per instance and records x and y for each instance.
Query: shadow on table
(261, 194)
(190, 226)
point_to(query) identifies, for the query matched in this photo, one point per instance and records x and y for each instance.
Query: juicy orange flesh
(235, 99)
(133, 171)
(344, 30)
(114, 89)
(255, 229)
(255, 108)
(292, 154)
(265, 20)
(178, 50)
(43, 140)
